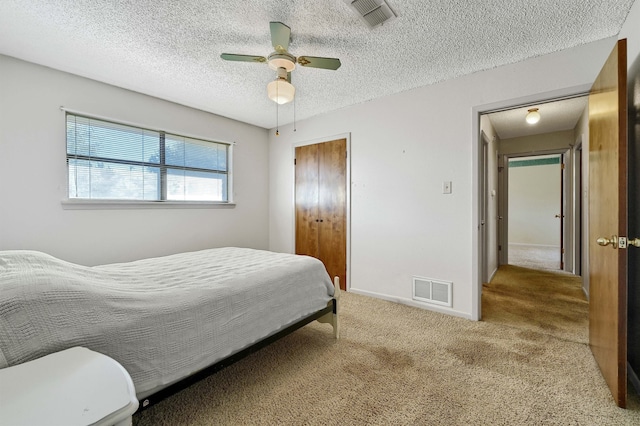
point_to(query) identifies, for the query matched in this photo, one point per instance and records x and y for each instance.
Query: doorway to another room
(531, 196)
(532, 189)
(596, 214)
(535, 212)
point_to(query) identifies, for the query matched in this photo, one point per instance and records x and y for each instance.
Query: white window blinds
(110, 161)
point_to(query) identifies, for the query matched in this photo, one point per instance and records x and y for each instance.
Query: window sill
(134, 205)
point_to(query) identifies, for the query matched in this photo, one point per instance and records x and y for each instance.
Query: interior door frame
(565, 192)
(578, 208)
(484, 207)
(476, 137)
(346, 136)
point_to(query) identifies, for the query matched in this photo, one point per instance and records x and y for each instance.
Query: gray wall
(402, 148)
(527, 145)
(33, 174)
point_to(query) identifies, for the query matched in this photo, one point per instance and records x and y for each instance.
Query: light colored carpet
(537, 300)
(398, 365)
(534, 256)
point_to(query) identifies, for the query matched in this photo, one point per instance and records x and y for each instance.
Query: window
(110, 161)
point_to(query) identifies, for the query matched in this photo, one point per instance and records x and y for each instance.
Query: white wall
(631, 31)
(534, 200)
(33, 173)
(403, 147)
(536, 144)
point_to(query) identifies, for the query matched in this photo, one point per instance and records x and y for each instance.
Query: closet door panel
(332, 195)
(306, 200)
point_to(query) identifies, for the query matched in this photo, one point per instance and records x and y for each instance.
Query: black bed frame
(232, 359)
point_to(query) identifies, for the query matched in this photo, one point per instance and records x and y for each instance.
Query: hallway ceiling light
(533, 116)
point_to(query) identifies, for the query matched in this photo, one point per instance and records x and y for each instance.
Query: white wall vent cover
(372, 12)
(432, 291)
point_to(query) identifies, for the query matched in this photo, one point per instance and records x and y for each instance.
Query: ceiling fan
(280, 60)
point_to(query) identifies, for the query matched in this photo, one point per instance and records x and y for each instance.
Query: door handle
(606, 241)
(559, 216)
(634, 242)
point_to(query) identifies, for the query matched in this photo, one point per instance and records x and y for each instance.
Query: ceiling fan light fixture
(533, 116)
(281, 91)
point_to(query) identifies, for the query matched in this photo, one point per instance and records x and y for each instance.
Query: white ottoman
(73, 387)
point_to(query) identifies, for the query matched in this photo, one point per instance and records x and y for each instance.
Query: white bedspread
(162, 318)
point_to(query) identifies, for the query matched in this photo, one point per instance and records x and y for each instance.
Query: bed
(169, 320)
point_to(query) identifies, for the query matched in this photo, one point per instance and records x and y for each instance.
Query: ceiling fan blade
(280, 35)
(242, 58)
(316, 62)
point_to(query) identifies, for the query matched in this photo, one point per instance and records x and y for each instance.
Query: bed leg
(332, 317)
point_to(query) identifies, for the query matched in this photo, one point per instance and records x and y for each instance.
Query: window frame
(108, 203)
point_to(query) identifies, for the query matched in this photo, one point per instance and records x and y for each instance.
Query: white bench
(72, 387)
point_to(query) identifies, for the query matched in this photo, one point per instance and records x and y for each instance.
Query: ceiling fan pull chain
(277, 108)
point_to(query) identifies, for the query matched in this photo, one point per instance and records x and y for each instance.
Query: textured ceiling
(171, 49)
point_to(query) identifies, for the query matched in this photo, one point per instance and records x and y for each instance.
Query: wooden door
(321, 200)
(332, 208)
(633, 209)
(607, 220)
(306, 199)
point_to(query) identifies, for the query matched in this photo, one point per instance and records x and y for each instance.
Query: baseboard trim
(493, 274)
(413, 303)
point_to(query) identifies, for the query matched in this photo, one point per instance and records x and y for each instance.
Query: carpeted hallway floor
(398, 365)
(535, 256)
(549, 302)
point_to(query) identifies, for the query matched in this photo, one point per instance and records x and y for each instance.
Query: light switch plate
(446, 187)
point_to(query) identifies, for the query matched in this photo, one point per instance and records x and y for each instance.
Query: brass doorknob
(634, 242)
(606, 241)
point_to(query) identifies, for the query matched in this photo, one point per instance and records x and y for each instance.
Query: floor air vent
(432, 291)
(372, 12)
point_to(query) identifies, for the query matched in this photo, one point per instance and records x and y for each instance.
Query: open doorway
(508, 144)
(602, 170)
(535, 212)
(505, 138)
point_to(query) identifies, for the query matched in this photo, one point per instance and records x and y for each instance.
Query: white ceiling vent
(372, 12)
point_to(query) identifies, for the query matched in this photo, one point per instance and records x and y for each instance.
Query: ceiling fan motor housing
(282, 59)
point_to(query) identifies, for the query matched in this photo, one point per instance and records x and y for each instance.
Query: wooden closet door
(320, 199)
(332, 208)
(306, 194)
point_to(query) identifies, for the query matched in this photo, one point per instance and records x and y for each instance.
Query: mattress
(162, 318)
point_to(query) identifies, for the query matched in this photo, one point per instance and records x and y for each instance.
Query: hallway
(535, 256)
(547, 302)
